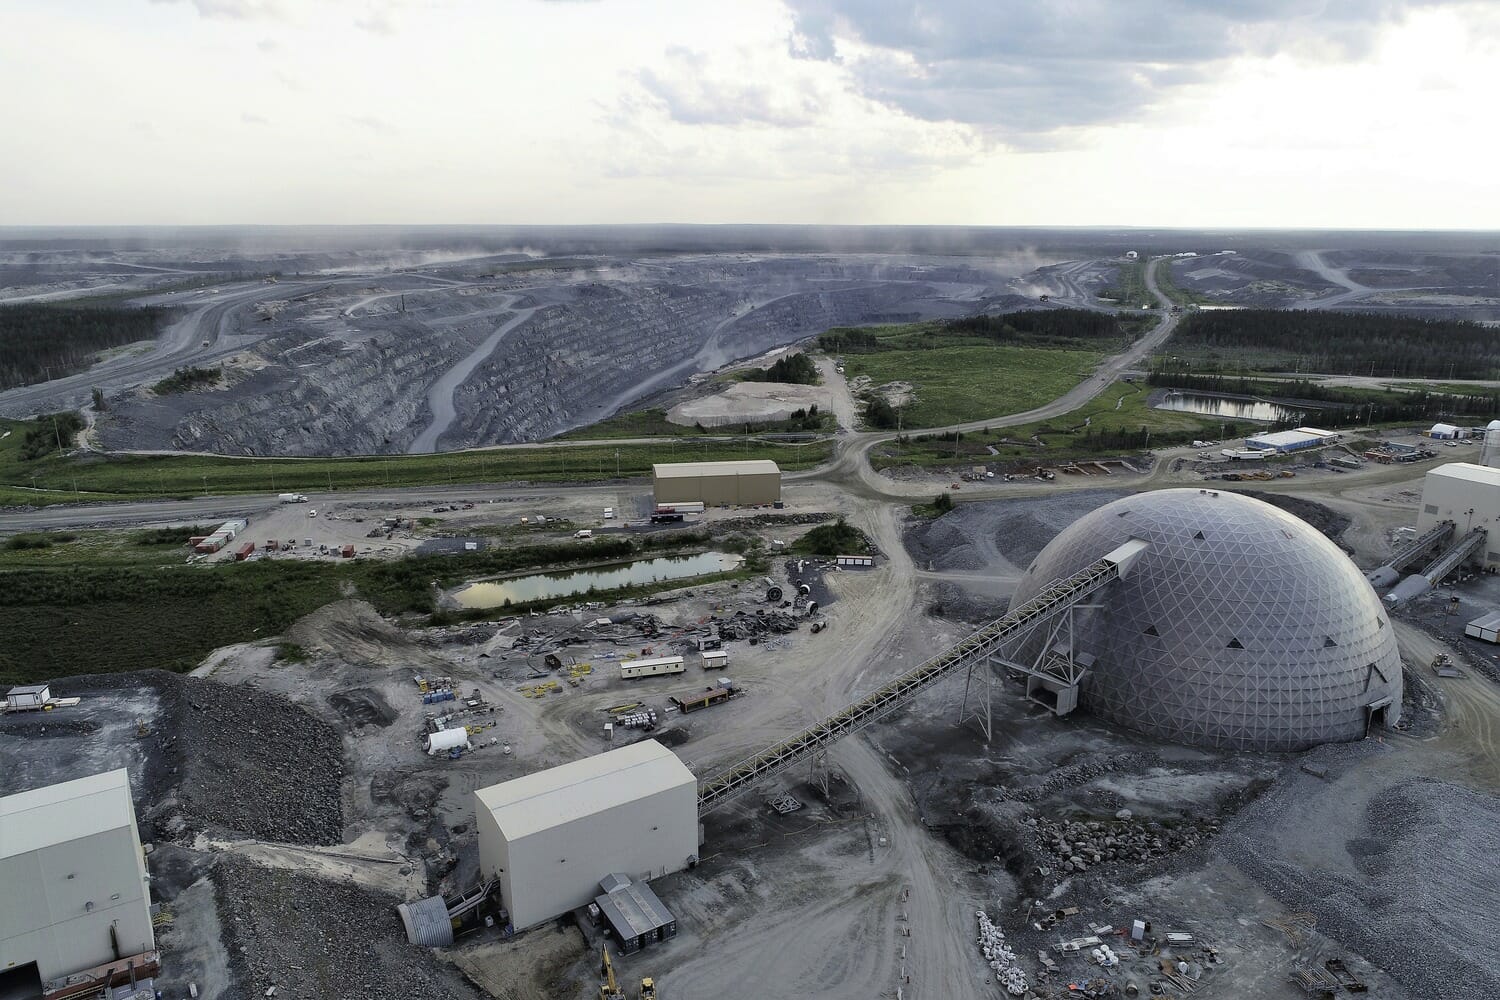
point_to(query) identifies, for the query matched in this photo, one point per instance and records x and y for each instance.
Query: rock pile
(313, 938)
(1079, 772)
(1078, 846)
(1000, 956)
(255, 764)
(762, 623)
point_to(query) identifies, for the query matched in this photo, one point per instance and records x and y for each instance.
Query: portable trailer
(715, 659)
(652, 667)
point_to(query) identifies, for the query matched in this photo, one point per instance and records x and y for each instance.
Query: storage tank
(444, 740)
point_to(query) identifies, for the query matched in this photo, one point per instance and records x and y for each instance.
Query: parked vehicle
(292, 498)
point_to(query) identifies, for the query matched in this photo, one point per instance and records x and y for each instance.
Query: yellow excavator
(648, 989)
(610, 988)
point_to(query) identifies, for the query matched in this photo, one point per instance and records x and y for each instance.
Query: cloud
(249, 118)
(370, 122)
(267, 45)
(1016, 68)
(235, 10)
(695, 90)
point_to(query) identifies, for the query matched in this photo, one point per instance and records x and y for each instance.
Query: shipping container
(347, 552)
(715, 659)
(684, 507)
(244, 552)
(692, 701)
(652, 667)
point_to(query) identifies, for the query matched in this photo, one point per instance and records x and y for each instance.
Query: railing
(1054, 599)
(1408, 553)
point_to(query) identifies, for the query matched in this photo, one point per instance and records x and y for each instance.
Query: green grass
(139, 476)
(957, 384)
(1129, 287)
(101, 603)
(1173, 291)
(1119, 409)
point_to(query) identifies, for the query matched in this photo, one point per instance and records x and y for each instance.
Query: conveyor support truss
(1052, 601)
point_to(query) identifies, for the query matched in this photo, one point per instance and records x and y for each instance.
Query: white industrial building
(550, 837)
(1297, 440)
(733, 483)
(1449, 432)
(1469, 496)
(73, 880)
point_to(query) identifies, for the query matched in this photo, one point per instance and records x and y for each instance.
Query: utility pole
(205, 484)
(617, 463)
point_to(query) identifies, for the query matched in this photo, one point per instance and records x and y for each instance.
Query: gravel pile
(256, 764)
(980, 536)
(1425, 904)
(313, 938)
(1079, 772)
(1327, 520)
(1078, 846)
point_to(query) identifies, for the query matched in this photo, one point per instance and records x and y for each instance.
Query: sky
(1191, 113)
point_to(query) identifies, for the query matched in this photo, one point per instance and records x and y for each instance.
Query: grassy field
(61, 603)
(139, 476)
(1129, 286)
(956, 384)
(1089, 431)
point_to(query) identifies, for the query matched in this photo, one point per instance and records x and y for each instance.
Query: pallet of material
(693, 701)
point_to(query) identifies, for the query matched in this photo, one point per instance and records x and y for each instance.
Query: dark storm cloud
(1019, 67)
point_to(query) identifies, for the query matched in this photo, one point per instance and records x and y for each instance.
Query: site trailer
(28, 696)
(630, 669)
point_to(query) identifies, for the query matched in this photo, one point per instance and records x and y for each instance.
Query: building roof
(64, 812)
(1319, 433)
(1489, 621)
(29, 689)
(1468, 472)
(632, 908)
(1443, 429)
(1278, 438)
(692, 470)
(559, 795)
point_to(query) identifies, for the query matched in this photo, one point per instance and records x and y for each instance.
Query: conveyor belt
(1417, 547)
(1454, 557)
(1056, 598)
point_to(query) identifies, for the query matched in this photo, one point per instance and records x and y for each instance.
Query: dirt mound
(311, 937)
(361, 707)
(354, 632)
(1327, 520)
(999, 535)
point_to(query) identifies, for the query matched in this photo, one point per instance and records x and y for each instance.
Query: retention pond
(545, 586)
(1214, 404)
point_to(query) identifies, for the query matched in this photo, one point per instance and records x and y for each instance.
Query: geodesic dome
(1240, 626)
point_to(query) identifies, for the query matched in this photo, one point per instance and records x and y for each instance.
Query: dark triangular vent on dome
(1199, 536)
(1151, 630)
(1234, 644)
(1328, 642)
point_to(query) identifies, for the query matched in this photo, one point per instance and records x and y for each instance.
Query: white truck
(292, 498)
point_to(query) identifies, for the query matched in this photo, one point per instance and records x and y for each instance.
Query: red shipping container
(244, 552)
(348, 552)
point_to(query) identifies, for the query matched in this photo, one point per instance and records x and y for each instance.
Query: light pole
(617, 463)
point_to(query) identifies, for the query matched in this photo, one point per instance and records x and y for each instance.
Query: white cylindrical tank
(1489, 454)
(444, 740)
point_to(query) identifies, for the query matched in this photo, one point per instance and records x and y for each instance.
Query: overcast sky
(1343, 113)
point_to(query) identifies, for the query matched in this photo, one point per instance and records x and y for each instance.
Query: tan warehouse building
(735, 483)
(74, 881)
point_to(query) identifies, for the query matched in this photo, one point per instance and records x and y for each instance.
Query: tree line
(1345, 343)
(1063, 328)
(1350, 405)
(794, 369)
(41, 342)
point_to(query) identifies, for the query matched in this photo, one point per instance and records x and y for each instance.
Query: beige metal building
(549, 837)
(73, 878)
(734, 483)
(1469, 496)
